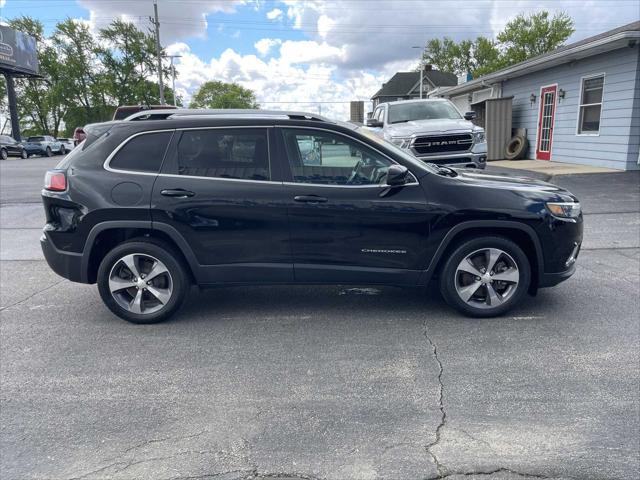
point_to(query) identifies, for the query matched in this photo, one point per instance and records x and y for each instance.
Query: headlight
(564, 209)
(479, 137)
(402, 142)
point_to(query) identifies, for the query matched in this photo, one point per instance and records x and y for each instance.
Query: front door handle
(177, 193)
(312, 199)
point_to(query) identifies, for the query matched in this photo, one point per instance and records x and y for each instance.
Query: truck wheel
(3, 154)
(142, 281)
(516, 147)
(24, 154)
(48, 152)
(485, 277)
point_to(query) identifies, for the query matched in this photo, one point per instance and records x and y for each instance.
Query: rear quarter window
(142, 153)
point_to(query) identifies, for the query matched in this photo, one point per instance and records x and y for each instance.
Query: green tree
(527, 36)
(128, 58)
(214, 94)
(523, 37)
(41, 102)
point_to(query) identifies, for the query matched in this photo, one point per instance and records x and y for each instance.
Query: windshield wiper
(445, 171)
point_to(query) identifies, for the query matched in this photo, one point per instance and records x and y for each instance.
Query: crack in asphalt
(442, 470)
(492, 472)
(443, 414)
(33, 295)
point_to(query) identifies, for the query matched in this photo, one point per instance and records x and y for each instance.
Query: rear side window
(224, 153)
(142, 153)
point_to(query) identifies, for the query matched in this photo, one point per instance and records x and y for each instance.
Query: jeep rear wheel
(485, 277)
(142, 281)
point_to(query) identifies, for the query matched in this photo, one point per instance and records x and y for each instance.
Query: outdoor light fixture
(532, 98)
(561, 94)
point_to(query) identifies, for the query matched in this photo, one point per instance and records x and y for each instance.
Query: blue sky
(311, 54)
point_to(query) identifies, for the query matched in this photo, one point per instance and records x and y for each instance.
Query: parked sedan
(44, 145)
(10, 148)
(67, 143)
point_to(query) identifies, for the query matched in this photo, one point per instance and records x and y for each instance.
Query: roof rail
(162, 114)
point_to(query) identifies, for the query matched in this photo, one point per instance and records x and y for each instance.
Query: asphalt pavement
(322, 382)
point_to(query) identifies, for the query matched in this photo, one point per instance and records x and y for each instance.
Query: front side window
(590, 105)
(142, 153)
(240, 154)
(409, 111)
(326, 158)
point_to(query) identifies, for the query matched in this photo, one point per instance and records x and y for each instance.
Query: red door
(545, 122)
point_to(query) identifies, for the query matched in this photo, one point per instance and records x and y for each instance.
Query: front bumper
(65, 264)
(459, 160)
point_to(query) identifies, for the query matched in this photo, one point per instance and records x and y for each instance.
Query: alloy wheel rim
(487, 278)
(140, 283)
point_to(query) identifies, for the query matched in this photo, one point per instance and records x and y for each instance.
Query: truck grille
(442, 143)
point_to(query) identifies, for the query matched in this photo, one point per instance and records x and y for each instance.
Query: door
(346, 225)
(546, 119)
(219, 190)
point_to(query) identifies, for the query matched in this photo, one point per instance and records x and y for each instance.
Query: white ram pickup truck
(433, 130)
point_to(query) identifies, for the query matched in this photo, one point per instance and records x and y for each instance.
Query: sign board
(17, 51)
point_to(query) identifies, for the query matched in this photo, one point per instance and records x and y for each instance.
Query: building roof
(603, 42)
(403, 83)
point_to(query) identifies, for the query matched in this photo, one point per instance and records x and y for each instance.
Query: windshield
(406, 112)
(35, 139)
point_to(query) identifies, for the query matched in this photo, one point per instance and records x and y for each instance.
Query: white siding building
(578, 104)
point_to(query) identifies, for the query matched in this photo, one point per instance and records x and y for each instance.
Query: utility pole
(421, 70)
(173, 78)
(156, 23)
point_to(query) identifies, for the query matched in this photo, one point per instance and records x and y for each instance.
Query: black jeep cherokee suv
(151, 204)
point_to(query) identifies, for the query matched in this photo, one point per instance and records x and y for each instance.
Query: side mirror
(397, 175)
(372, 122)
(469, 115)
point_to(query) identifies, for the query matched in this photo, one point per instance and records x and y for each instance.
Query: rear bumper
(65, 264)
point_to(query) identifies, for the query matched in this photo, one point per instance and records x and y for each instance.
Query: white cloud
(279, 83)
(264, 45)
(178, 20)
(274, 14)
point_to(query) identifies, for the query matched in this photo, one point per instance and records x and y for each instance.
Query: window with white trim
(590, 105)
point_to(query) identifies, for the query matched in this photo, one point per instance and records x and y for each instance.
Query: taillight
(55, 181)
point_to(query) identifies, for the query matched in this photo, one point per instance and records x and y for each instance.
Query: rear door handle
(177, 193)
(309, 199)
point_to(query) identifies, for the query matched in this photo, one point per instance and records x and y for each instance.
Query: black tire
(48, 152)
(479, 308)
(62, 150)
(516, 147)
(3, 154)
(24, 155)
(160, 251)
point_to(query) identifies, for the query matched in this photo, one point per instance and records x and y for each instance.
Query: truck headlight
(564, 209)
(402, 142)
(479, 137)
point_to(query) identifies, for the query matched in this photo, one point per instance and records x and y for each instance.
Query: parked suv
(432, 130)
(44, 145)
(144, 208)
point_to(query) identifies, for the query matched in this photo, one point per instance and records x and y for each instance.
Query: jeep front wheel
(485, 277)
